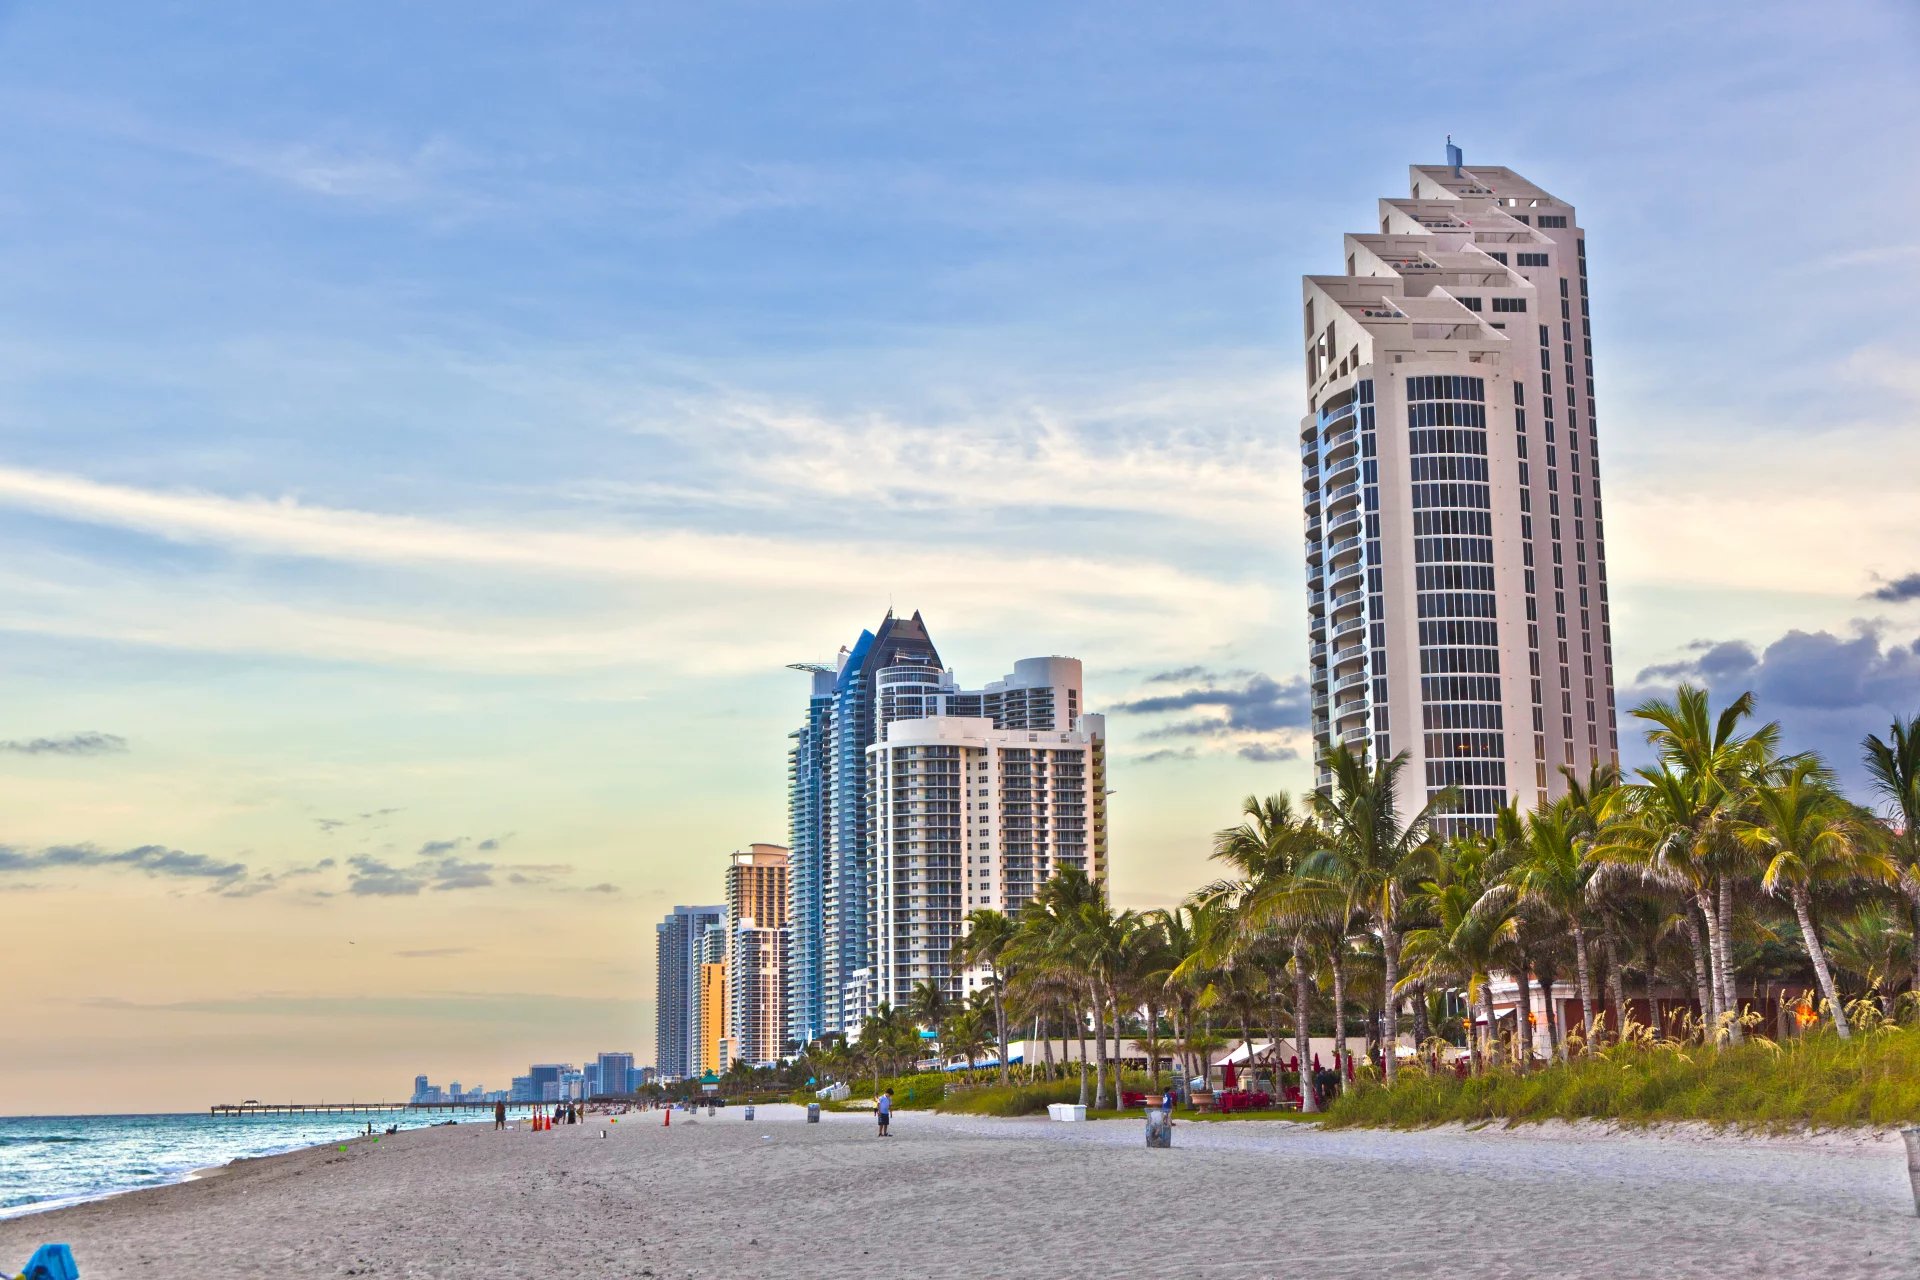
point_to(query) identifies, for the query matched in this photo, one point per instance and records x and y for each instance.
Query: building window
(1509, 304)
(1552, 219)
(1533, 260)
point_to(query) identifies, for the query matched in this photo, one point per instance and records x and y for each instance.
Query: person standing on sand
(499, 1115)
(883, 1109)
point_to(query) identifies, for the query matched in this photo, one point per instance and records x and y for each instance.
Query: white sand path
(958, 1197)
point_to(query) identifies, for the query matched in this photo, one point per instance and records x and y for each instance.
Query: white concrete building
(975, 799)
(1456, 574)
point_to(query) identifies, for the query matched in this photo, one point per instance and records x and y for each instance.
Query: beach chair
(51, 1262)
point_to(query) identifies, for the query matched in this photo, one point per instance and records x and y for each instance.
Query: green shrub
(1012, 1099)
(1818, 1080)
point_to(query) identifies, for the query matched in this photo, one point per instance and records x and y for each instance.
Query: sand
(976, 1198)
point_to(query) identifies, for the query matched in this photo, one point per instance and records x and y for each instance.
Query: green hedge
(1819, 1081)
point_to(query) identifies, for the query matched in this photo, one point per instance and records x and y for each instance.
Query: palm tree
(989, 934)
(1895, 769)
(1809, 837)
(1267, 851)
(1714, 766)
(1553, 872)
(1873, 943)
(929, 1006)
(1473, 920)
(1373, 855)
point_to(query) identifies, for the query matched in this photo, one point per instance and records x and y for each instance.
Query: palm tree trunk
(1115, 1001)
(1735, 1032)
(1716, 985)
(1556, 1038)
(1818, 954)
(1703, 987)
(1584, 975)
(1421, 1031)
(1000, 1019)
(1302, 1039)
(1340, 1018)
(1523, 1021)
(1081, 1021)
(1616, 985)
(1390, 1022)
(1493, 1028)
(1653, 1007)
(1099, 1046)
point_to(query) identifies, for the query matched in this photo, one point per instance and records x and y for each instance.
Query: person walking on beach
(883, 1109)
(499, 1115)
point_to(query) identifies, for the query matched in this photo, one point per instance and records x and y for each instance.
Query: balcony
(1347, 576)
(1343, 493)
(1316, 600)
(1348, 521)
(1346, 600)
(1340, 440)
(1316, 652)
(1357, 680)
(1317, 625)
(1352, 653)
(1344, 546)
(1341, 471)
(1353, 627)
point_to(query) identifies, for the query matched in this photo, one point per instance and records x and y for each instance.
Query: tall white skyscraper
(977, 797)
(1456, 573)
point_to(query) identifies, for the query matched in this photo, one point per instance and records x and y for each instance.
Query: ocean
(49, 1161)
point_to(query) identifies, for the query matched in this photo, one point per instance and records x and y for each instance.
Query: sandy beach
(961, 1197)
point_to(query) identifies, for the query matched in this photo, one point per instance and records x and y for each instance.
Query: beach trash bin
(813, 1113)
(1159, 1129)
(1912, 1136)
(749, 1111)
(52, 1262)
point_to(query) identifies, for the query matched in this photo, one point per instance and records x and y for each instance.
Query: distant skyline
(428, 434)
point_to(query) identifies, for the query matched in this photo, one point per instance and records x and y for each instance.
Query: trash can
(749, 1111)
(1159, 1129)
(813, 1113)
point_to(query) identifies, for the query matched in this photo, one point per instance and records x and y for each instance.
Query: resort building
(757, 954)
(977, 797)
(713, 1018)
(829, 856)
(678, 941)
(1456, 575)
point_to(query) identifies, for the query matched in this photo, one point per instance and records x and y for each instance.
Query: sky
(427, 432)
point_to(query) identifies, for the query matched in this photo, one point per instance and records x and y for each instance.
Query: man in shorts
(883, 1110)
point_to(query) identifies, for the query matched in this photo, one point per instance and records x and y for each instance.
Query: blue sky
(459, 414)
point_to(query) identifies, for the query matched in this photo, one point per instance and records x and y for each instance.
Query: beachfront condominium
(757, 954)
(1456, 579)
(678, 947)
(829, 855)
(977, 797)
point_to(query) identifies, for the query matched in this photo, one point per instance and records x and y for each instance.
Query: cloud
(433, 848)
(433, 953)
(1265, 753)
(1827, 691)
(74, 744)
(1898, 591)
(372, 878)
(150, 859)
(1166, 754)
(1258, 702)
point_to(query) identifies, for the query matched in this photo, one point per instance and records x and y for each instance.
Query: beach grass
(1817, 1081)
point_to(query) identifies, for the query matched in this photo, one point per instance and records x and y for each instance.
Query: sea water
(49, 1161)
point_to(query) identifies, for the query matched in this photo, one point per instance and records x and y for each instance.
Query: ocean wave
(49, 1139)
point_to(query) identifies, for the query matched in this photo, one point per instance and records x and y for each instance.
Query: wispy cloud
(73, 744)
(1899, 590)
(149, 859)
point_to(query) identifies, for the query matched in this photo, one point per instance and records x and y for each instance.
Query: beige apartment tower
(1456, 573)
(757, 954)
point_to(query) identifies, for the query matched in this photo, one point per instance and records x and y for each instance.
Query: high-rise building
(678, 941)
(1456, 575)
(546, 1079)
(612, 1073)
(713, 1018)
(830, 851)
(757, 953)
(977, 798)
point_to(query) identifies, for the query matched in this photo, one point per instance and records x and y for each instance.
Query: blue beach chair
(51, 1262)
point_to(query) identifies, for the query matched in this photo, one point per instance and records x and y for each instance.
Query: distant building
(546, 1078)
(421, 1089)
(756, 883)
(978, 797)
(828, 821)
(678, 942)
(613, 1073)
(522, 1090)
